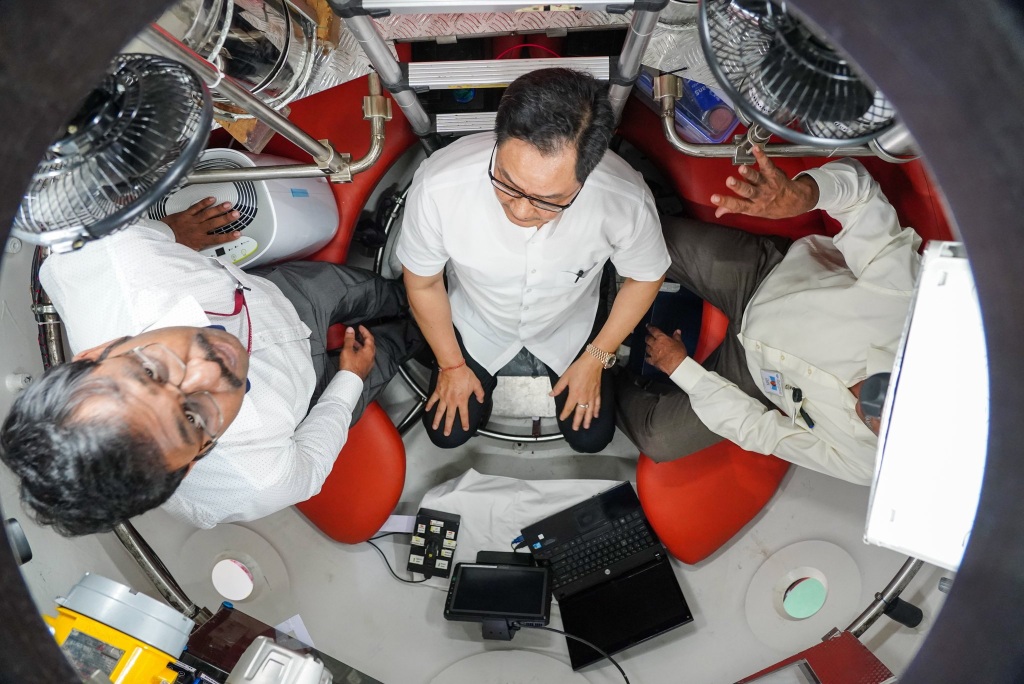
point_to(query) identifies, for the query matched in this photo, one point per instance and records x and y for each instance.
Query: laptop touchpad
(623, 612)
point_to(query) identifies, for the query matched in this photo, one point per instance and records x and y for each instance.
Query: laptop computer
(609, 573)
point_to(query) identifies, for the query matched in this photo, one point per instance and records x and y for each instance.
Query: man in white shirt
(524, 220)
(806, 329)
(194, 384)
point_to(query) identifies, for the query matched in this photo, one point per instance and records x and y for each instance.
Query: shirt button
(526, 308)
(533, 270)
(782, 357)
(529, 289)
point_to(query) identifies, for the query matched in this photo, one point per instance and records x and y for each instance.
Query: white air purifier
(282, 219)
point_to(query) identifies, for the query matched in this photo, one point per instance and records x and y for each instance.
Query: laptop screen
(623, 612)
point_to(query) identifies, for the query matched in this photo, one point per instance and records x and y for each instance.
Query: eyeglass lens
(202, 407)
(166, 367)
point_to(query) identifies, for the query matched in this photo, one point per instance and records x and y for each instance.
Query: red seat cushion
(699, 502)
(714, 326)
(365, 484)
(335, 337)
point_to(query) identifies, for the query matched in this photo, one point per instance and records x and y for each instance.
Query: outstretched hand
(766, 192)
(357, 352)
(663, 352)
(193, 226)
(451, 395)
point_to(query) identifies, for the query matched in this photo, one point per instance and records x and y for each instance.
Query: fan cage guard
(246, 205)
(147, 132)
(786, 79)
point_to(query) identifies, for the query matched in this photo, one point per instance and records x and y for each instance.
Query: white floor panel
(395, 632)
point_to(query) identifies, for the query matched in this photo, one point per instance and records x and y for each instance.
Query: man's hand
(192, 227)
(767, 192)
(357, 352)
(583, 379)
(663, 352)
(451, 395)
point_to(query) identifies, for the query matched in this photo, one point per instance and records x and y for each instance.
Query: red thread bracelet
(451, 368)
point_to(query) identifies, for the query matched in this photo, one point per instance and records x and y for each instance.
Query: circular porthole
(804, 597)
(800, 593)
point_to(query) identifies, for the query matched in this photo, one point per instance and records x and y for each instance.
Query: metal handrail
(668, 88)
(882, 600)
(157, 573)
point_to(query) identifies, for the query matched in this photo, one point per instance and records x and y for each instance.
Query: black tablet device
(481, 592)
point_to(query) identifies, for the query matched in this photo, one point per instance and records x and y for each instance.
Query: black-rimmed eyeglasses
(543, 205)
(165, 367)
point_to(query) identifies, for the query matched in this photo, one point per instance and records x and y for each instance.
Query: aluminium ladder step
(465, 122)
(496, 73)
(384, 7)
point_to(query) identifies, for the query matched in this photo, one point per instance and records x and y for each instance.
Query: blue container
(701, 116)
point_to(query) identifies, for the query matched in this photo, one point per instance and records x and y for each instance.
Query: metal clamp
(668, 85)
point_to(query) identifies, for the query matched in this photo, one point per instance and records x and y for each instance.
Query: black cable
(582, 641)
(388, 563)
(676, 71)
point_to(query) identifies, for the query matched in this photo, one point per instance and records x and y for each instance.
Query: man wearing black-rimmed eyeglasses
(522, 221)
(195, 385)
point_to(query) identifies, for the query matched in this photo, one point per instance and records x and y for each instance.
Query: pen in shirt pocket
(798, 399)
(580, 274)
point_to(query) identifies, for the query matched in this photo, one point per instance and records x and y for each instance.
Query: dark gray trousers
(723, 266)
(324, 293)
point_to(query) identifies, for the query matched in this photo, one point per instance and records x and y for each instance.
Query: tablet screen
(498, 590)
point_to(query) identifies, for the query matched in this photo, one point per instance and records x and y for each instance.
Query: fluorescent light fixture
(931, 450)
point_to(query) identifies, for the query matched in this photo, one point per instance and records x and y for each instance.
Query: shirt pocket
(568, 278)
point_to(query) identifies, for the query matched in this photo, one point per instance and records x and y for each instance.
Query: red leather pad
(365, 484)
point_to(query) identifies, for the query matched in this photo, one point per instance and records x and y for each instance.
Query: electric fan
(132, 141)
(786, 78)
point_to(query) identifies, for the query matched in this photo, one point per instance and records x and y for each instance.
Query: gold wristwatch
(607, 359)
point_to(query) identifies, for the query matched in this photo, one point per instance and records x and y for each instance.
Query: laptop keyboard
(598, 549)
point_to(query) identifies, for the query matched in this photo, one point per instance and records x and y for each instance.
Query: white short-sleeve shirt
(512, 287)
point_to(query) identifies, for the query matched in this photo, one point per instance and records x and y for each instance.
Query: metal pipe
(413, 384)
(735, 151)
(377, 109)
(52, 348)
(257, 173)
(389, 223)
(169, 46)
(637, 38)
(895, 142)
(409, 422)
(153, 567)
(506, 437)
(376, 50)
(54, 338)
(892, 590)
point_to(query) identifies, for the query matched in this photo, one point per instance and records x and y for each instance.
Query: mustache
(212, 355)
